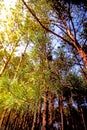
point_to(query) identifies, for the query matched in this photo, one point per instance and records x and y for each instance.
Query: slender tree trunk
(34, 121)
(22, 123)
(45, 112)
(15, 121)
(7, 61)
(61, 111)
(82, 116)
(2, 117)
(51, 109)
(39, 116)
(21, 58)
(7, 121)
(71, 121)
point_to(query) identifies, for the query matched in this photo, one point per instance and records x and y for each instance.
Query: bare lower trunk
(2, 117)
(34, 121)
(15, 120)
(61, 111)
(7, 121)
(82, 116)
(39, 116)
(45, 112)
(51, 109)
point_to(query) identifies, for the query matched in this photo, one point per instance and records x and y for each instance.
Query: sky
(9, 3)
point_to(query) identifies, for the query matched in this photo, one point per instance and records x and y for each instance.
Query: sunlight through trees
(43, 65)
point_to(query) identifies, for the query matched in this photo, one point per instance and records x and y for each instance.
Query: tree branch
(43, 26)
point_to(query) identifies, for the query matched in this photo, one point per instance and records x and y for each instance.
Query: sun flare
(7, 4)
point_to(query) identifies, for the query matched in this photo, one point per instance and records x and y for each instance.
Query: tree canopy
(43, 64)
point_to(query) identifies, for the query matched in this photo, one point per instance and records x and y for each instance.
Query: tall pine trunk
(7, 121)
(2, 117)
(61, 111)
(39, 116)
(34, 121)
(51, 109)
(45, 112)
(82, 116)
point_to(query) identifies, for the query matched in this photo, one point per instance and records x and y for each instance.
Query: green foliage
(77, 87)
(36, 73)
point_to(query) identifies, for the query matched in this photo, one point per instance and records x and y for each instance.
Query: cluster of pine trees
(43, 65)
